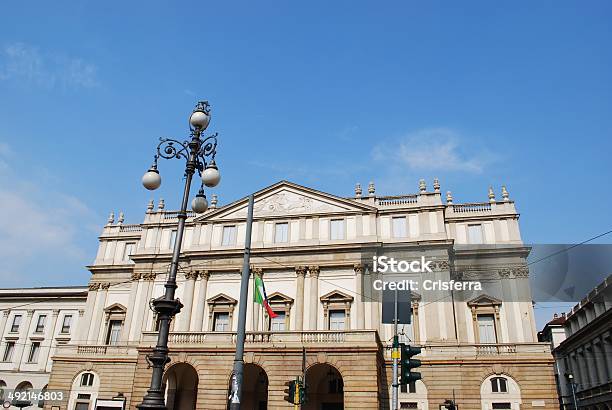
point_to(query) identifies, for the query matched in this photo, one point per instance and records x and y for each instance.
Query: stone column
(200, 305)
(100, 313)
(359, 299)
(129, 315)
(314, 297)
(26, 347)
(300, 272)
(47, 362)
(94, 291)
(147, 291)
(138, 310)
(185, 313)
(376, 303)
(606, 346)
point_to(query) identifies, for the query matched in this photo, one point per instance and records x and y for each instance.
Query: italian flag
(261, 297)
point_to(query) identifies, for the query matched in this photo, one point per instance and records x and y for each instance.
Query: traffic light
(407, 363)
(290, 391)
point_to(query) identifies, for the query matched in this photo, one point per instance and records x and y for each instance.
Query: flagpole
(237, 375)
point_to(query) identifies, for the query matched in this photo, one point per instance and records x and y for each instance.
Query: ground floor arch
(254, 388)
(181, 385)
(325, 388)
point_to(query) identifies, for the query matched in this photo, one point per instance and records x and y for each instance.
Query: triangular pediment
(221, 299)
(336, 296)
(484, 300)
(278, 297)
(288, 199)
(115, 307)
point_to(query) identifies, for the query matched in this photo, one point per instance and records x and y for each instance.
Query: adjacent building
(34, 322)
(313, 250)
(583, 353)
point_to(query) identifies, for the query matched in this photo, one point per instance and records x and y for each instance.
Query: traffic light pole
(395, 356)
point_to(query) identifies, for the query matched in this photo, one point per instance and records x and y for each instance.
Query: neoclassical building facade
(34, 322)
(313, 250)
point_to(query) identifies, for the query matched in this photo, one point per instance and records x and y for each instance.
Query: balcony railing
(354, 337)
(397, 200)
(96, 350)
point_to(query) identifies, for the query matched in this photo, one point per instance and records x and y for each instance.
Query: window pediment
(221, 299)
(279, 298)
(335, 296)
(115, 308)
(484, 301)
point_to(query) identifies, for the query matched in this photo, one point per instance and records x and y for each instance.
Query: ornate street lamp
(195, 152)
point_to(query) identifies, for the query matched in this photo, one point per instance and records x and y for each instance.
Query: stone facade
(309, 247)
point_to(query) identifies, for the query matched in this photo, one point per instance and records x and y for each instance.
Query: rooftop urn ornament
(422, 185)
(213, 201)
(491, 195)
(150, 206)
(436, 185)
(161, 205)
(505, 194)
(358, 190)
(121, 218)
(111, 218)
(371, 189)
(449, 198)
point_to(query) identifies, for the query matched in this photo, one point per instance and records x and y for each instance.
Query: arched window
(84, 390)
(500, 391)
(499, 385)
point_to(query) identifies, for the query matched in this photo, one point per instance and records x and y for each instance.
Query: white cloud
(24, 64)
(40, 229)
(433, 149)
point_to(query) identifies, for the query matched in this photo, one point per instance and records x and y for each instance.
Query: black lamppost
(195, 152)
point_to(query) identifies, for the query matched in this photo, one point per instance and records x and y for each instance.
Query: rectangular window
(16, 324)
(277, 324)
(408, 405)
(229, 235)
(82, 402)
(221, 322)
(114, 331)
(8, 351)
(66, 324)
(486, 329)
(337, 320)
(34, 350)
(40, 324)
(172, 239)
(399, 227)
(281, 232)
(475, 234)
(129, 250)
(336, 229)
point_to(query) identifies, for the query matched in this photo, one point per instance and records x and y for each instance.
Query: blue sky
(324, 94)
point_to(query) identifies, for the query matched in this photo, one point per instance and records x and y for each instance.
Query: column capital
(136, 276)
(300, 270)
(149, 276)
(257, 271)
(314, 271)
(7, 313)
(56, 312)
(94, 287)
(105, 285)
(30, 312)
(191, 275)
(358, 267)
(204, 274)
